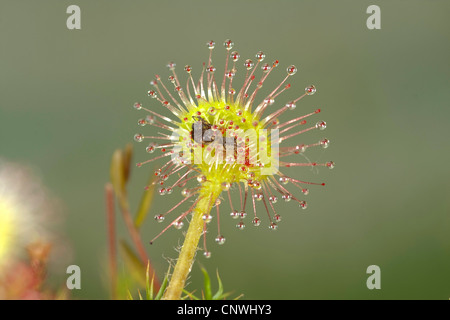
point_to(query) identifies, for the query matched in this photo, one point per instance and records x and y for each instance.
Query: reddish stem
(111, 223)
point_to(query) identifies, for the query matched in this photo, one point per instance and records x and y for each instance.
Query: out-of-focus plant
(28, 244)
(134, 256)
(26, 279)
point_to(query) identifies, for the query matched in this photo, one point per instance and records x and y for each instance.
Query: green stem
(206, 199)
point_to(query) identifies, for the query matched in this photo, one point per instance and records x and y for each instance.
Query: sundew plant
(214, 139)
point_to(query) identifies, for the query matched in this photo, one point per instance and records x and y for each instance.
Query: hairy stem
(207, 198)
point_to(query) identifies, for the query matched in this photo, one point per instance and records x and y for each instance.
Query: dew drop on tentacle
(291, 70)
(137, 105)
(142, 122)
(171, 65)
(260, 56)
(228, 44)
(201, 178)
(240, 225)
(159, 218)
(290, 105)
(162, 191)
(249, 64)
(324, 143)
(286, 197)
(234, 214)
(188, 69)
(211, 69)
(152, 94)
(212, 111)
(150, 119)
(310, 90)
(242, 214)
(185, 192)
(273, 226)
(150, 148)
(230, 74)
(235, 56)
(225, 186)
(300, 148)
(284, 180)
(277, 217)
(220, 239)
(330, 164)
(138, 137)
(178, 224)
(273, 199)
(321, 125)
(257, 185)
(207, 217)
(269, 101)
(258, 196)
(256, 221)
(243, 169)
(210, 44)
(305, 191)
(266, 67)
(207, 254)
(302, 204)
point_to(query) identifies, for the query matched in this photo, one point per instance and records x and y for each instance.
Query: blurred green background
(66, 103)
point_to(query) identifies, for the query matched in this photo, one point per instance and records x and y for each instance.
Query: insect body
(201, 131)
(203, 134)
